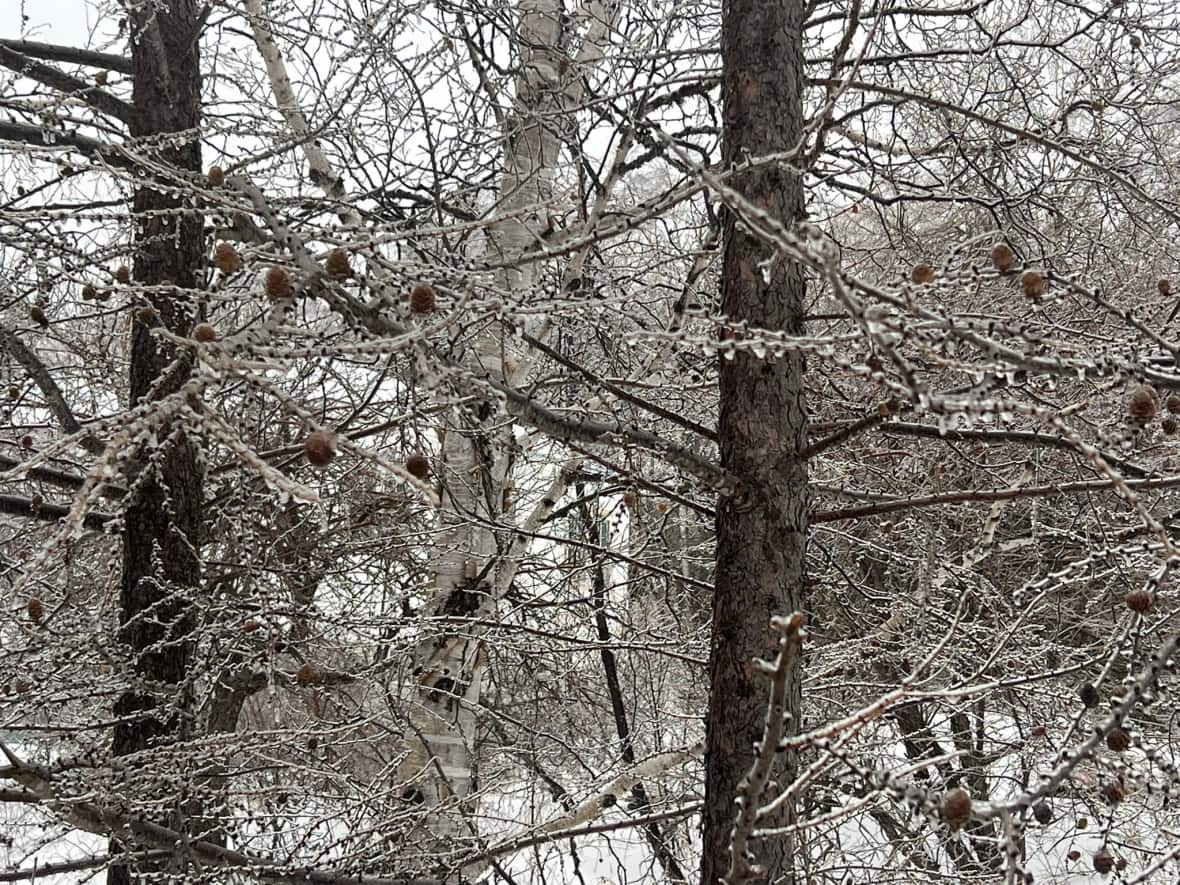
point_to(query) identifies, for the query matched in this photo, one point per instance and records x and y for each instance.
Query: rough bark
(762, 528)
(161, 566)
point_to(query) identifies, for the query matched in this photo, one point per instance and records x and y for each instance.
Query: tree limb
(964, 496)
(37, 136)
(99, 99)
(49, 389)
(1017, 436)
(71, 55)
(72, 866)
(15, 505)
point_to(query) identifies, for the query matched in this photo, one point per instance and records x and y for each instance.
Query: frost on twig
(751, 787)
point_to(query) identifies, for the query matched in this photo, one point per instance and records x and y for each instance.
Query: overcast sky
(51, 21)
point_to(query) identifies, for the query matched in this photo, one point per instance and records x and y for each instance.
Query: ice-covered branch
(750, 789)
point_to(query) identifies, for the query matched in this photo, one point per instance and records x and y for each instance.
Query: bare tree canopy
(589, 441)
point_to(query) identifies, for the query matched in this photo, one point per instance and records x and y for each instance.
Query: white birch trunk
(467, 576)
(471, 571)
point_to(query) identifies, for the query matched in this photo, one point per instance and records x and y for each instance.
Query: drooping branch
(49, 388)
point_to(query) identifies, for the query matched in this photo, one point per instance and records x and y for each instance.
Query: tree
(162, 514)
(481, 447)
(761, 428)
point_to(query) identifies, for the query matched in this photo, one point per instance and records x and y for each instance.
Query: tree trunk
(161, 564)
(761, 529)
(478, 441)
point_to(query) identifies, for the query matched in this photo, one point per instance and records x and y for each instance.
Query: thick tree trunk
(161, 565)
(762, 529)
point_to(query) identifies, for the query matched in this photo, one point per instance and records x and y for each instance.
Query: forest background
(619, 441)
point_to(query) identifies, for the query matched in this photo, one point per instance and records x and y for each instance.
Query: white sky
(69, 22)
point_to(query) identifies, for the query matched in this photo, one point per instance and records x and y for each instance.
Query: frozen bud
(1140, 601)
(1118, 740)
(1088, 693)
(1032, 283)
(417, 466)
(227, 259)
(306, 675)
(278, 283)
(422, 298)
(1143, 404)
(337, 266)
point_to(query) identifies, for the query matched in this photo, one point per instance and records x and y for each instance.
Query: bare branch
(48, 387)
(71, 55)
(99, 99)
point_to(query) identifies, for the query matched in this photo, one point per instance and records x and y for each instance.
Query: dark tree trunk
(762, 529)
(161, 564)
